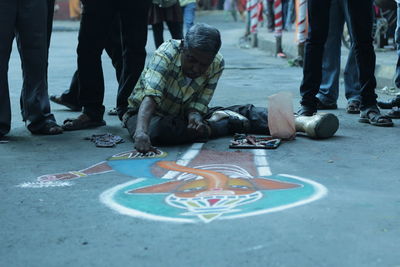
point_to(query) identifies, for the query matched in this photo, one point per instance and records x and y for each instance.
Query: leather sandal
(373, 117)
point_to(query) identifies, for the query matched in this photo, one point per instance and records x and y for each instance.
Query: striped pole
(278, 28)
(254, 8)
(301, 20)
(278, 18)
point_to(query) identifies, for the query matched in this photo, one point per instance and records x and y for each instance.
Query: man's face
(195, 62)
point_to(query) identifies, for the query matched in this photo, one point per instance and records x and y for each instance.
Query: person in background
(394, 103)
(172, 15)
(329, 88)
(189, 13)
(96, 24)
(270, 15)
(28, 21)
(360, 13)
(113, 47)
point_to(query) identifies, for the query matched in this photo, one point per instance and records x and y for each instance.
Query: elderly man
(169, 104)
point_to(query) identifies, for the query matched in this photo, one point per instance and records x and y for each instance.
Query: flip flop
(79, 124)
(49, 128)
(373, 117)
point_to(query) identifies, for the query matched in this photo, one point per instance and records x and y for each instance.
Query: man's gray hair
(203, 37)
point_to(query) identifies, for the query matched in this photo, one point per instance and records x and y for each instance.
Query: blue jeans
(329, 89)
(189, 15)
(397, 40)
(360, 15)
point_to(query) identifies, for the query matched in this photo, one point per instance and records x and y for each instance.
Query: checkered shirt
(174, 93)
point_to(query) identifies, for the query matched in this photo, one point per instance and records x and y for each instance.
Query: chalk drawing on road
(62, 179)
(203, 187)
(200, 186)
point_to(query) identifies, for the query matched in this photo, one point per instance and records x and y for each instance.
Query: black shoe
(395, 102)
(58, 100)
(306, 111)
(322, 106)
(394, 113)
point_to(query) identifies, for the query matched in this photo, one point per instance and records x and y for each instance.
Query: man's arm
(196, 124)
(141, 137)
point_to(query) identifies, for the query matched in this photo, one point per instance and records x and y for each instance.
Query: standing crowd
(173, 92)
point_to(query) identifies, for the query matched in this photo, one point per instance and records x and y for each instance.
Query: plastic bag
(280, 116)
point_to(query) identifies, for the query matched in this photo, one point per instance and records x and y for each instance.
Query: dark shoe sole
(72, 107)
(327, 126)
(306, 111)
(322, 106)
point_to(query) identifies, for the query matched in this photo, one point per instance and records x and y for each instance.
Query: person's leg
(134, 37)
(270, 15)
(50, 15)
(329, 88)
(289, 16)
(70, 97)
(32, 34)
(175, 28)
(351, 79)
(114, 47)
(189, 13)
(8, 14)
(318, 16)
(158, 34)
(351, 76)
(285, 5)
(94, 31)
(395, 102)
(360, 13)
(257, 121)
(167, 130)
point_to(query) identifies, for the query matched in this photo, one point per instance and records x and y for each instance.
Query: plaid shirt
(174, 93)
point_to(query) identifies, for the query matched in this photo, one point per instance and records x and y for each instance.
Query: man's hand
(142, 142)
(197, 125)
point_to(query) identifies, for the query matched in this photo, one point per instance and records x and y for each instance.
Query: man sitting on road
(169, 104)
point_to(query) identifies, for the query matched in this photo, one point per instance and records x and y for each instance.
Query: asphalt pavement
(65, 202)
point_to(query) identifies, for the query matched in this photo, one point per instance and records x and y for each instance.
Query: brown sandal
(80, 123)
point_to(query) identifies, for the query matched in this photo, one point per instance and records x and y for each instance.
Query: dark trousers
(113, 48)
(96, 24)
(170, 130)
(360, 13)
(175, 28)
(26, 20)
(270, 15)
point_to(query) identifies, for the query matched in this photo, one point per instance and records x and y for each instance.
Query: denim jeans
(360, 16)
(189, 15)
(329, 89)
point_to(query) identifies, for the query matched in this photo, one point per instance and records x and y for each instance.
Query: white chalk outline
(107, 197)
